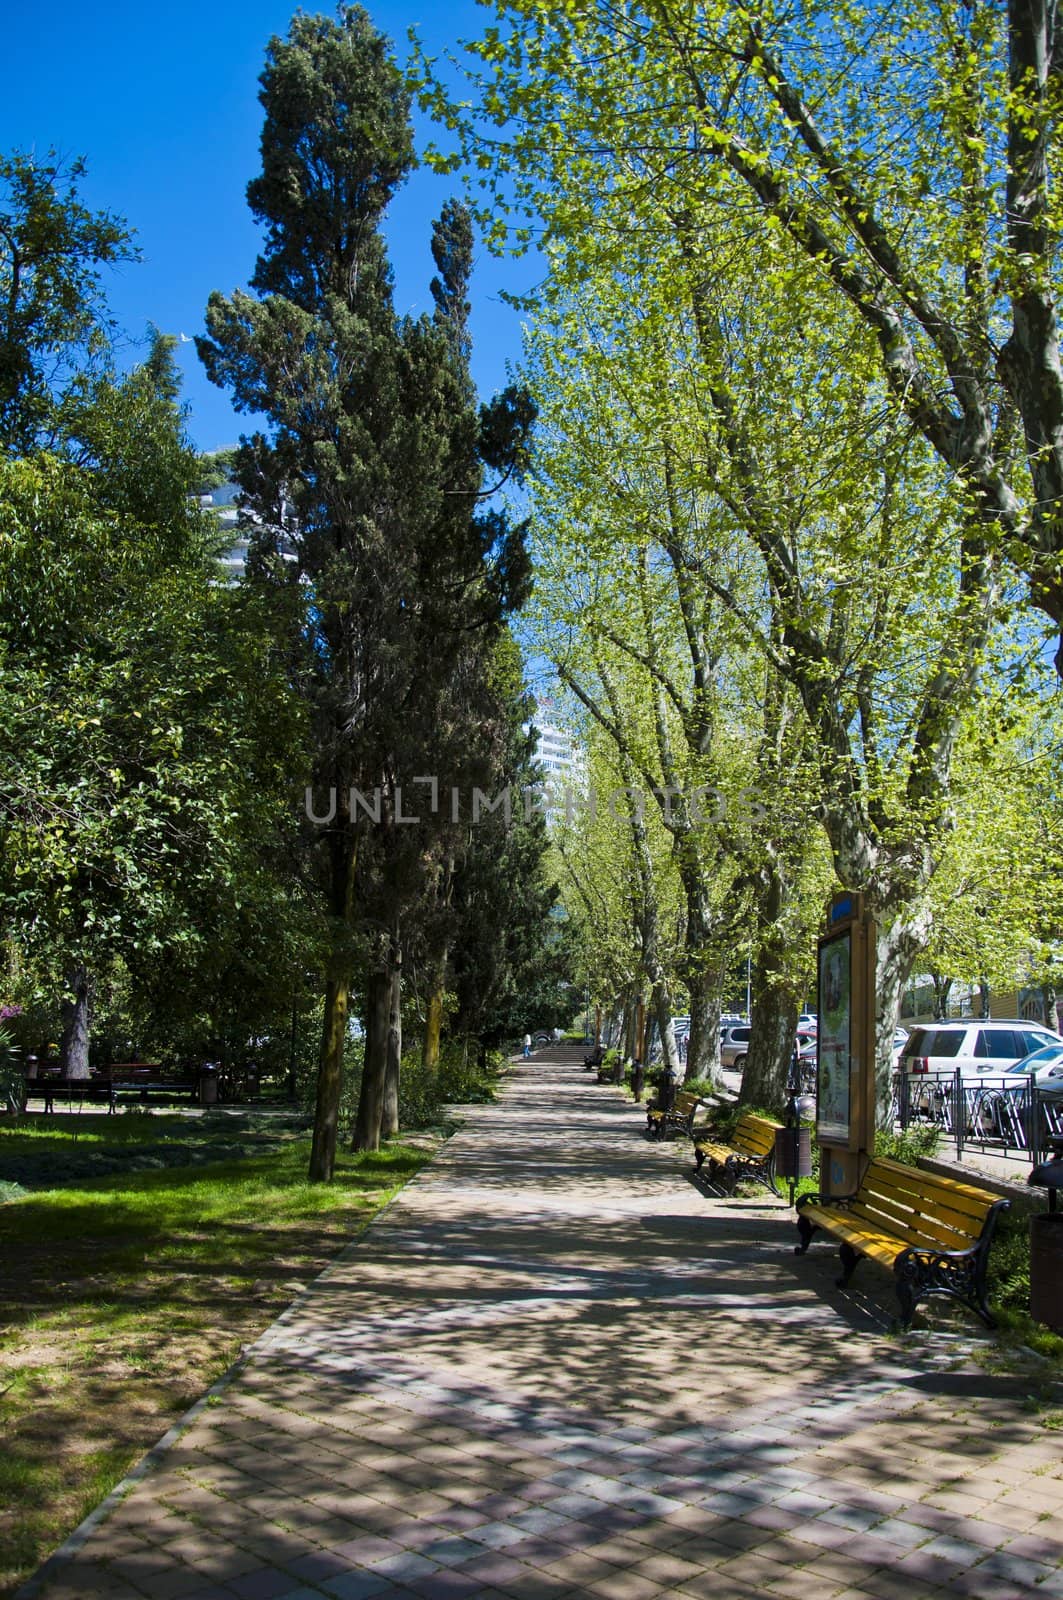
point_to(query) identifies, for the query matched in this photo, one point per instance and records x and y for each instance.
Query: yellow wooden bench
(933, 1231)
(748, 1153)
(680, 1119)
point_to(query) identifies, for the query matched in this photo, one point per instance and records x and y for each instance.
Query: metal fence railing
(995, 1113)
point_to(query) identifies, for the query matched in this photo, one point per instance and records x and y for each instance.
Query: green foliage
(460, 1079)
(909, 1146)
(55, 332)
(10, 1076)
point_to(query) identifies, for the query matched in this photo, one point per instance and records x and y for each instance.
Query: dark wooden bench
(611, 1071)
(107, 1083)
(934, 1232)
(45, 1081)
(748, 1153)
(592, 1062)
(679, 1118)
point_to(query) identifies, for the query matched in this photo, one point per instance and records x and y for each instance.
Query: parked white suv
(978, 1048)
(734, 1044)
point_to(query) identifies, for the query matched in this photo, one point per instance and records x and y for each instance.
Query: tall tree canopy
(372, 466)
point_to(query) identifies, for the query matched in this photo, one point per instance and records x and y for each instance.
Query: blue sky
(162, 103)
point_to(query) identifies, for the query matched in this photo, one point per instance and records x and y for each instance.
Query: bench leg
(806, 1229)
(908, 1279)
(850, 1262)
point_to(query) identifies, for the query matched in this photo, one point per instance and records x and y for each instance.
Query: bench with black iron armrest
(749, 1152)
(143, 1078)
(140, 1078)
(45, 1080)
(661, 1123)
(933, 1231)
(595, 1059)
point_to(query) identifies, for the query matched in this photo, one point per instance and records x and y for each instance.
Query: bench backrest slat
(913, 1227)
(754, 1135)
(685, 1103)
(912, 1186)
(921, 1205)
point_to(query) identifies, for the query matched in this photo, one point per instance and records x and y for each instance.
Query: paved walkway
(553, 1368)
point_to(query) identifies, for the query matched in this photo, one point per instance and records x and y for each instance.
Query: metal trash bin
(208, 1084)
(793, 1152)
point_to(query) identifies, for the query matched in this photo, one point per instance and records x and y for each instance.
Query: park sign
(845, 1069)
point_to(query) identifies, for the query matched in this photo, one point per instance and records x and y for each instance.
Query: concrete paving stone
(670, 1569)
(357, 1585)
(928, 1568)
(620, 1549)
(1017, 1569)
(794, 1585)
(774, 1518)
(211, 1591)
(578, 1567)
(451, 1550)
(493, 1567)
(267, 1583)
(409, 1564)
(854, 1517)
(898, 1531)
(845, 1571)
(625, 1586)
(821, 1535)
(1037, 1547)
(365, 1549)
(543, 1552)
(497, 1535)
(175, 1583)
(728, 1503)
(787, 1548)
(460, 1517)
(803, 1502)
(750, 1567)
(318, 1565)
(736, 1534)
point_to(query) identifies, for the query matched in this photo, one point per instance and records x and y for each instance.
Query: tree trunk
(343, 860)
(433, 1015)
(662, 1010)
(329, 1082)
(941, 995)
(76, 1013)
(703, 1048)
(374, 1070)
(771, 1043)
(389, 1124)
(773, 1024)
(1051, 1008)
(900, 939)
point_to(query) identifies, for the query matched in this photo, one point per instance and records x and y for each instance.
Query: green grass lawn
(136, 1264)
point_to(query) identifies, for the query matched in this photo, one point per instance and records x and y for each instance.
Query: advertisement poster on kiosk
(834, 1099)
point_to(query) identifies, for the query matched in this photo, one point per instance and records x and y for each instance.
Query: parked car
(1002, 1111)
(977, 1048)
(1043, 1066)
(734, 1044)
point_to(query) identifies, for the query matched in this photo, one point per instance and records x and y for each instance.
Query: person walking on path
(527, 1046)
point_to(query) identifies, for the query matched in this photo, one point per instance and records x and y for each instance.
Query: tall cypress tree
(372, 465)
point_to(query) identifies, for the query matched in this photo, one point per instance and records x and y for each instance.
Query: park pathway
(554, 1368)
